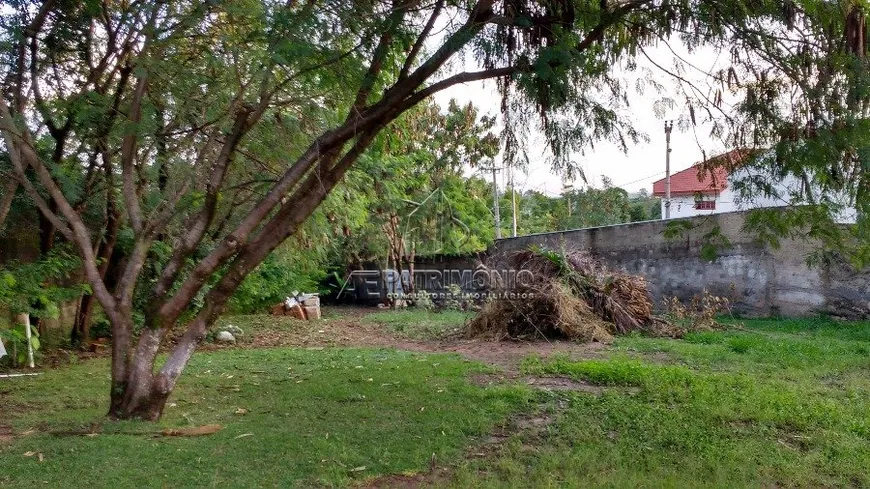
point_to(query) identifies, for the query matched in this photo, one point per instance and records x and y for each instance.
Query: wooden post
(24, 319)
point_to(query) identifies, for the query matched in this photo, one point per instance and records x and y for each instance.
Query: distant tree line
(591, 206)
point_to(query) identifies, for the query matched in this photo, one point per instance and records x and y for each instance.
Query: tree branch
(376, 115)
(291, 215)
(22, 154)
(421, 40)
(380, 54)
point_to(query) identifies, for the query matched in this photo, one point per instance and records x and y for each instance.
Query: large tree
(200, 135)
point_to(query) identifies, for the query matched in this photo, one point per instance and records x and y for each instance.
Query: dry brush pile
(570, 295)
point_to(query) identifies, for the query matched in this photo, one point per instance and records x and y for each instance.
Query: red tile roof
(709, 177)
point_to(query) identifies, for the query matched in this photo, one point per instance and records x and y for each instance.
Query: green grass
(312, 417)
(420, 323)
(782, 403)
(776, 403)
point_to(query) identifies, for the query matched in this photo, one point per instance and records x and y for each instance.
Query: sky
(643, 164)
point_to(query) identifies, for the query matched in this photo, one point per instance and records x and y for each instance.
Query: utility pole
(668, 126)
(566, 189)
(513, 200)
(495, 206)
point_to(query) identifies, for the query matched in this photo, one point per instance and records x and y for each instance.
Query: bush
(280, 274)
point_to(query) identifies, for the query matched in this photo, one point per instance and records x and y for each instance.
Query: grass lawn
(779, 403)
(313, 417)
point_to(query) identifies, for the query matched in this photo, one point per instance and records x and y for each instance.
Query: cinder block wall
(760, 280)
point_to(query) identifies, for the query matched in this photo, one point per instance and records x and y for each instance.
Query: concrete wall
(760, 281)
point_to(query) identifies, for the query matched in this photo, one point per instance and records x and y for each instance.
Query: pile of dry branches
(570, 295)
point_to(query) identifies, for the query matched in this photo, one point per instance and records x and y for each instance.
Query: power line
(640, 179)
(537, 188)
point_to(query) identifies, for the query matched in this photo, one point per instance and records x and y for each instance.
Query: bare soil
(348, 330)
(6, 434)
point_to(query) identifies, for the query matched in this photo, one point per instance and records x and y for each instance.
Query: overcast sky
(644, 163)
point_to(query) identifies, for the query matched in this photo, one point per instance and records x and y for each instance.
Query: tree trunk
(140, 401)
(81, 330)
(136, 392)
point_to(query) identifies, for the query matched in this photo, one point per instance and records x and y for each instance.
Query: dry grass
(574, 296)
(554, 312)
(701, 313)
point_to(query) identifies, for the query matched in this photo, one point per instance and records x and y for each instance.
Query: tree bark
(141, 396)
(81, 330)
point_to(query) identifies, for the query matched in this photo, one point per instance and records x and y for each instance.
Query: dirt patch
(6, 434)
(544, 383)
(562, 384)
(348, 330)
(438, 477)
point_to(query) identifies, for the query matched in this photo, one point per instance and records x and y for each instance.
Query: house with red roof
(704, 187)
(709, 187)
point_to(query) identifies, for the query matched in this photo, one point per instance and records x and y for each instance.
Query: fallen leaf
(29, 454)
(358, 469)
(241, 411)
(40, 457)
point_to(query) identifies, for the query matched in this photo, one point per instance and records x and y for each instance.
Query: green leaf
(9, 279)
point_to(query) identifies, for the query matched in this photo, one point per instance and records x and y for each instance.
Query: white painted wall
(788, 190)
(684, 206)
(729, 201)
